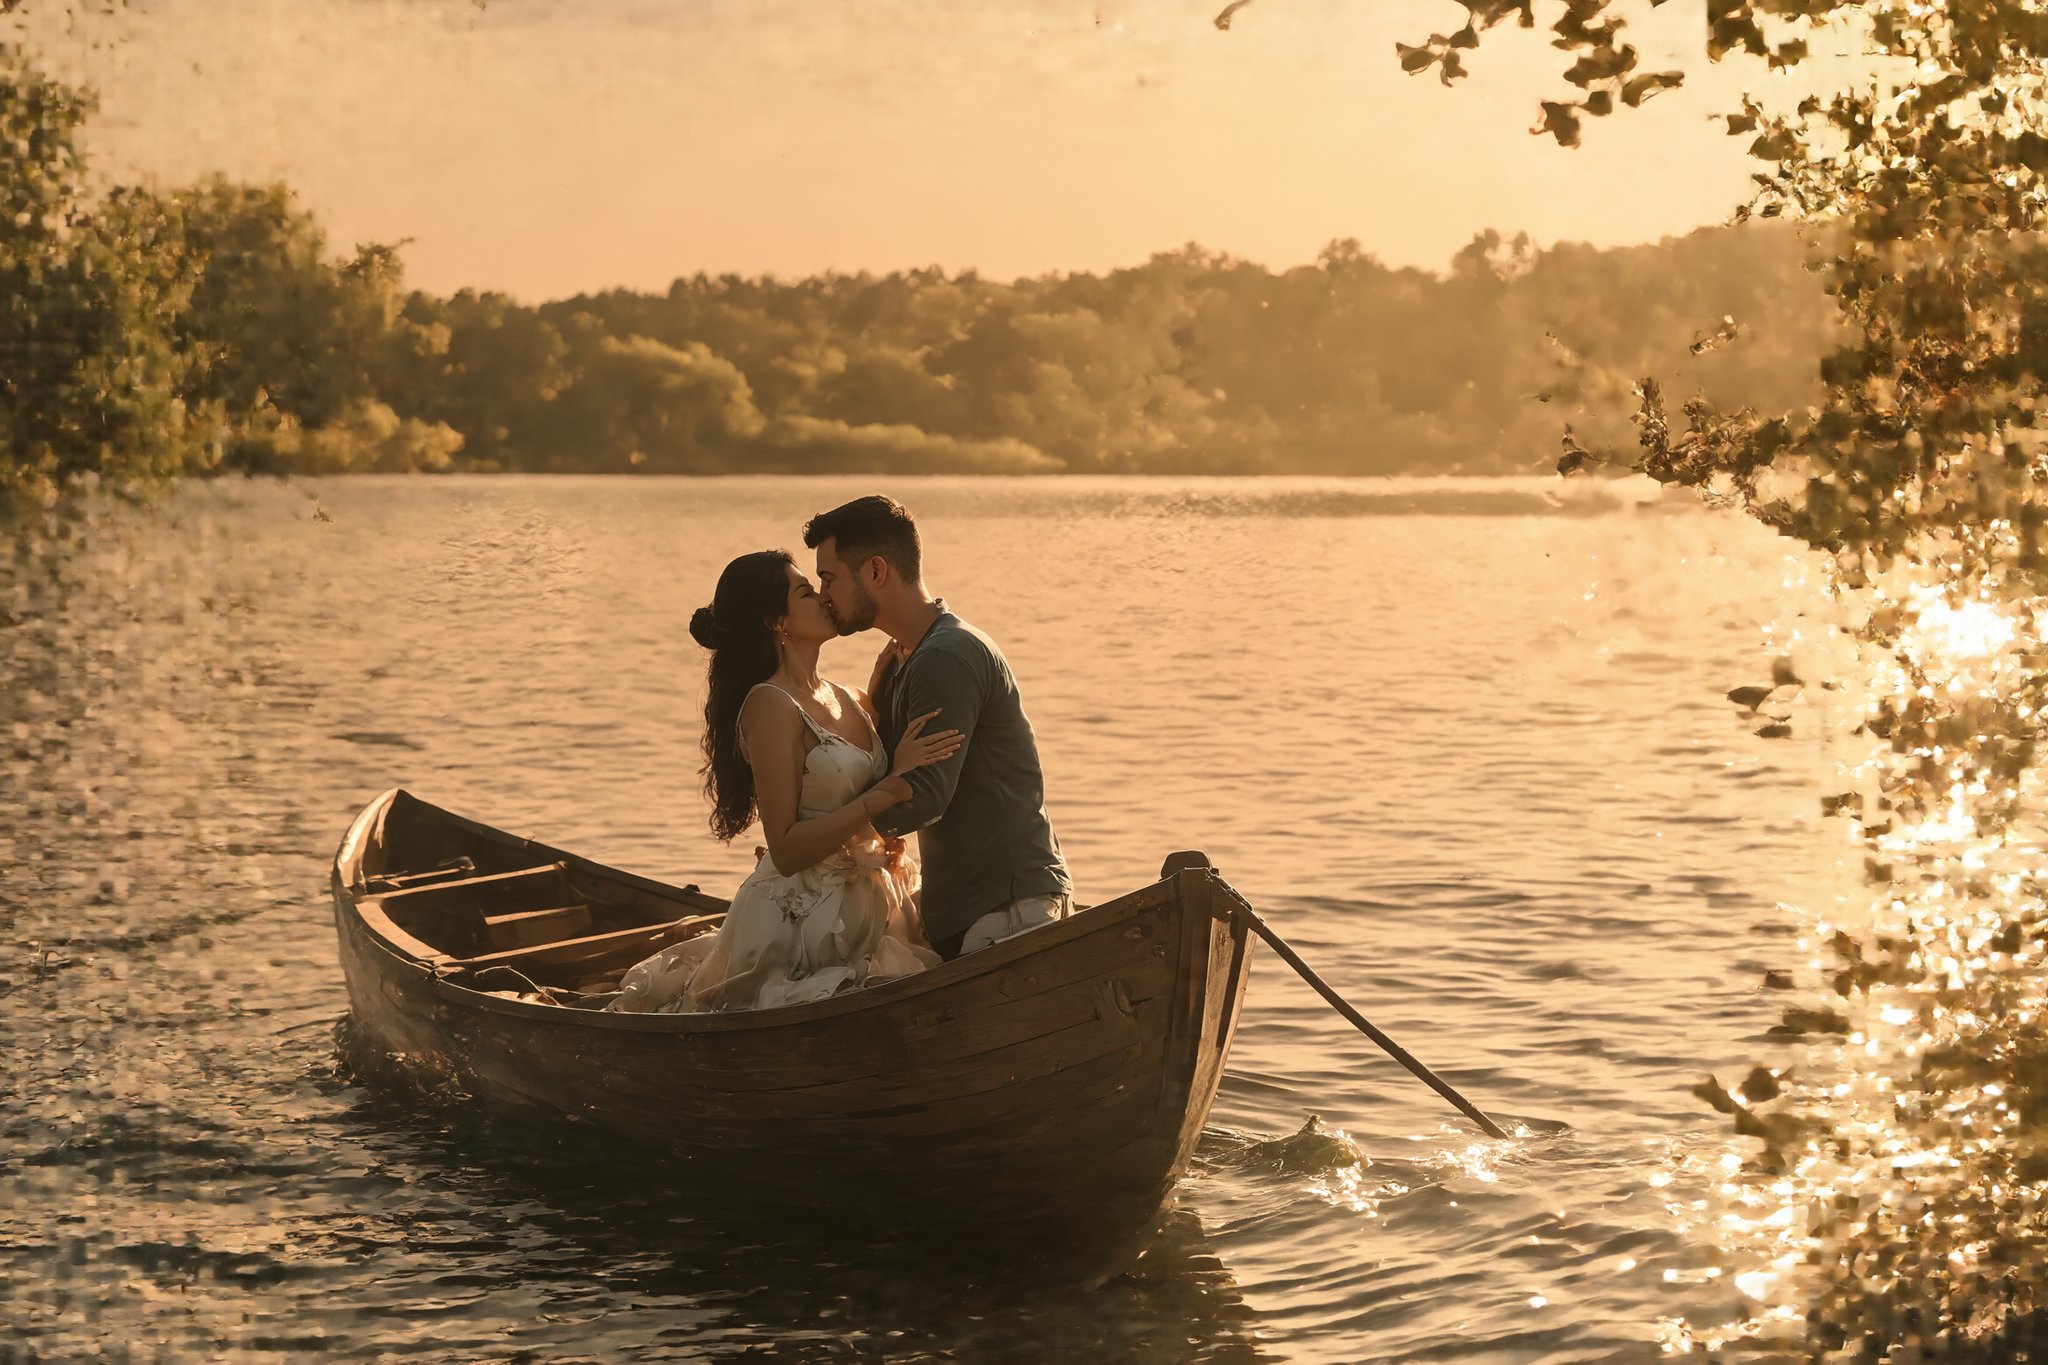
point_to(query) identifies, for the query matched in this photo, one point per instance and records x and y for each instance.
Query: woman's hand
(919, 750)
(892, 655)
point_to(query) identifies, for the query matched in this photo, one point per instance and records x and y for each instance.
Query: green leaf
(1646, 86)
(1710, 1090)
(1561, 121)
(1788, 54)
(1414, 59)
(1776, 145)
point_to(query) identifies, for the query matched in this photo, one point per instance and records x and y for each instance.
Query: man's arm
(946, 684)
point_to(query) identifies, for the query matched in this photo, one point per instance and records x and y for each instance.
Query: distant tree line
(210, 328)
(1194, 362)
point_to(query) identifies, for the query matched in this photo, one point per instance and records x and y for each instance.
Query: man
(992, 867)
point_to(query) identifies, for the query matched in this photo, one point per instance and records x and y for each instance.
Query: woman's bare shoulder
(769, 711)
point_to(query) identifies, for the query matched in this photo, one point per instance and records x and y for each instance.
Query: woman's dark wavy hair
(738, 629)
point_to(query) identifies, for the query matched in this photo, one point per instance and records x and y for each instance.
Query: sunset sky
(543, 148)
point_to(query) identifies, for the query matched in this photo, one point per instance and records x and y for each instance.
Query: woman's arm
(775, 739)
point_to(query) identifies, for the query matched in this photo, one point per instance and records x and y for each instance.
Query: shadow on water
(810, 1284)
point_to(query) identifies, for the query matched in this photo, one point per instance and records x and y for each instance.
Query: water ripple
(1460, 743)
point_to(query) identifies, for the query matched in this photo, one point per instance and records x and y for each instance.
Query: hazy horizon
(524, 147)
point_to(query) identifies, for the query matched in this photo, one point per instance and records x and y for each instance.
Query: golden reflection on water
(1956, 632)
(1871, 1189)
(1478, 1160)
(1346, 1188)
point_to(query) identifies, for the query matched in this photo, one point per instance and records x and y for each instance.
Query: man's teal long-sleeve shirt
(983, 835)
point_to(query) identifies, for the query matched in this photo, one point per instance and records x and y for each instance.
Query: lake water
(1463, 742)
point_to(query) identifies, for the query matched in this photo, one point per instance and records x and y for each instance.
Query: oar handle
(1364, 1025)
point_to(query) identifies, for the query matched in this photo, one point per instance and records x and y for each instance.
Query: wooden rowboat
(1052, 1085)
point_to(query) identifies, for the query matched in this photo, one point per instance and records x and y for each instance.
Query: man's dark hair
(865, 527)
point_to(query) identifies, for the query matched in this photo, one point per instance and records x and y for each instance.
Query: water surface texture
(1463, 742)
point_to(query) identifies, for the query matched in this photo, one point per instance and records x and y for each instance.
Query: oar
(1343, 1007)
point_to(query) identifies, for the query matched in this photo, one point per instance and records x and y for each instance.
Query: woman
(831, 905)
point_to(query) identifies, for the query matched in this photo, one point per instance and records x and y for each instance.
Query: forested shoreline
(1194, 362)
(213, 328)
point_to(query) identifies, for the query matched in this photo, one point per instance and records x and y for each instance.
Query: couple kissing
(937, 745)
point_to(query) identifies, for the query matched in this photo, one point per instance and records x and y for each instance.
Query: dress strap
(816, 729)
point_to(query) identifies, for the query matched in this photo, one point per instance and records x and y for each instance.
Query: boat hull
(1055, 1084)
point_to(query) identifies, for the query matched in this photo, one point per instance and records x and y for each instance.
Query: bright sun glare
(1955, 632)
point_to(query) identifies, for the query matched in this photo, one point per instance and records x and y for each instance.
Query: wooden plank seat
(385, 883)
(455, 915)
(531, 928)
(497, 893)
(567, 956)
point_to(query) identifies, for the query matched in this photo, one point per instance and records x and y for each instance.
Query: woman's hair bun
(704, 628)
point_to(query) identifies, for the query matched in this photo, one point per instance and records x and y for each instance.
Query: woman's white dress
(846, 922)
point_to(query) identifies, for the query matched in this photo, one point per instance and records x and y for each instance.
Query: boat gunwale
(960, 972)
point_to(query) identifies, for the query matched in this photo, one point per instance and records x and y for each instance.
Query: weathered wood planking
(1056, 1083)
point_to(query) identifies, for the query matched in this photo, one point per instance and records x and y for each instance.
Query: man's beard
(863, 617)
